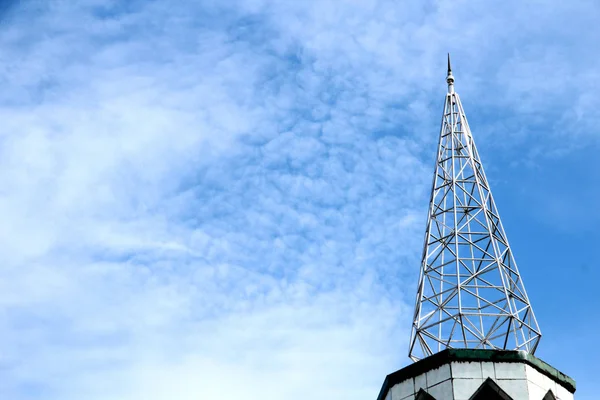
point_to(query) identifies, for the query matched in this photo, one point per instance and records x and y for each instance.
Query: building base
(473, 374)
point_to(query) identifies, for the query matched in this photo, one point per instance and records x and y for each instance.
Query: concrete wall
(460, 380)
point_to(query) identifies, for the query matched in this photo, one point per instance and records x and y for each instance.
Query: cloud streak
(204, 200)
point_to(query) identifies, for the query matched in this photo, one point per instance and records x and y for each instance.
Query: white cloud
(222, 200)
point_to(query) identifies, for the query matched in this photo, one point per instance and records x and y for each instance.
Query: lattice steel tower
(470, 293)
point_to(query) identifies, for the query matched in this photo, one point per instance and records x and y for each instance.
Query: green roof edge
(445, 356)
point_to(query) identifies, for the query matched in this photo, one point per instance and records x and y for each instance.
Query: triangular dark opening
(423, 395)
(549, 396)
(489, 390)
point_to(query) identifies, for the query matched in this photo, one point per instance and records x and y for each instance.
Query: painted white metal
(470, 293)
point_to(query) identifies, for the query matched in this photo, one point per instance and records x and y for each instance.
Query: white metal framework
(470, 293)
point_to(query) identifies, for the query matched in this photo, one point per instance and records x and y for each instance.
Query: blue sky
(217, 199)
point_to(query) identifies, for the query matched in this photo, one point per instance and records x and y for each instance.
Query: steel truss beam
(470, 293)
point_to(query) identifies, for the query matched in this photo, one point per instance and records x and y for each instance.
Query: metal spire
(450, 78)
(470, 293)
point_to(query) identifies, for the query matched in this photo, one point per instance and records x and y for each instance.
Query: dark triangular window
(549, 396)
(489, 390)
(423, 395)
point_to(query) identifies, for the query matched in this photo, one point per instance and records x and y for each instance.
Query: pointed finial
(450, 78)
